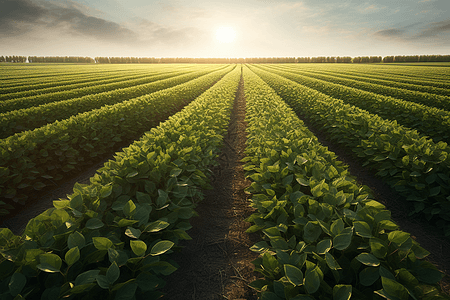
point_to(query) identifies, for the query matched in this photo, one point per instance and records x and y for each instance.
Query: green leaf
(342, 292)
(394, 288)
(293, 274)
(133, 233)
(76, 201)
(175, 172)
(368, 276)
(318, 189)
(76, 239)
(156, 226)
(118, 256)
(72, 256)
(362, 229)
(405, 277)
(435, 191)
(287, 180)
(148, 282)
(102, 281)
(60, 204)
(106, 191)
(86, 277)
(323, 246)
(162, 198)
(337, 226)
(312, 280)
(17, 283)
(386, 273)
(129, 209)
(398, 237)
(127, 292)
(368, 259)
(94, 223)
(113, 273)
(102, 243)
(125, 222)
(342, 241)
(311, 231)
(331, 262)
(143, 198)
(429, 275)
(387, 224)
(272, 232)
(161, 267)
(161, 247)
(49, 262)
(139, 247)
(378, 247)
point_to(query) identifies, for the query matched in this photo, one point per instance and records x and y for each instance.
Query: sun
(225, 34)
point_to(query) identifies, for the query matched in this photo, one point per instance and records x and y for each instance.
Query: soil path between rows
(216, 263)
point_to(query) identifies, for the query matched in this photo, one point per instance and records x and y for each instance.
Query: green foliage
(67, 105)
(33, 159)
(411, 163)
(323, 236)
(111, 238)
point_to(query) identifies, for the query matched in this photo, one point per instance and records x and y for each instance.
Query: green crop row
(32, 101)
(110, 238)
(430, 121)
(33, 117)
(322, 235)
(40, 76)
(385, 81)
(412, 164)
(430, 74)
(34, 159)
(370, 71)
(432, 100)
(93, 75)
(58, 85)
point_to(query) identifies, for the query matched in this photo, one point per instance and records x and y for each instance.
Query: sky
(179, 28)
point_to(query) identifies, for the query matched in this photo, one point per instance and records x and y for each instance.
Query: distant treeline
(47, 59)
(153, 60)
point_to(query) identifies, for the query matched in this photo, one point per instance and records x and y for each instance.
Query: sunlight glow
(225, 34)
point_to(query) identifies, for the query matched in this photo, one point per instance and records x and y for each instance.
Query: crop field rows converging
(320, 233)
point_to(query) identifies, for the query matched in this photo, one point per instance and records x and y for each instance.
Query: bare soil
(216, 263)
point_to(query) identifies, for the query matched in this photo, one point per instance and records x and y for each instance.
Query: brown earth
(216, 263)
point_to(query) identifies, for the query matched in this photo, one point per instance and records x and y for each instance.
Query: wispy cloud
(19, 17)
(70, 19)
(389, 33)
(420, 32)
(436, 28)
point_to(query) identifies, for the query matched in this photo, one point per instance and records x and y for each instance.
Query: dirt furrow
(216, 263)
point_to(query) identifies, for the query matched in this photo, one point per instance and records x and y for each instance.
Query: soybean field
(225, 181)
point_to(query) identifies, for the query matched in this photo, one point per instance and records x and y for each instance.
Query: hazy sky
(179, 28)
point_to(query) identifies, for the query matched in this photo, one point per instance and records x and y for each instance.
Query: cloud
(435, 28)
(16, 14)
(19, 17)
(421, 33)
(390, 33)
